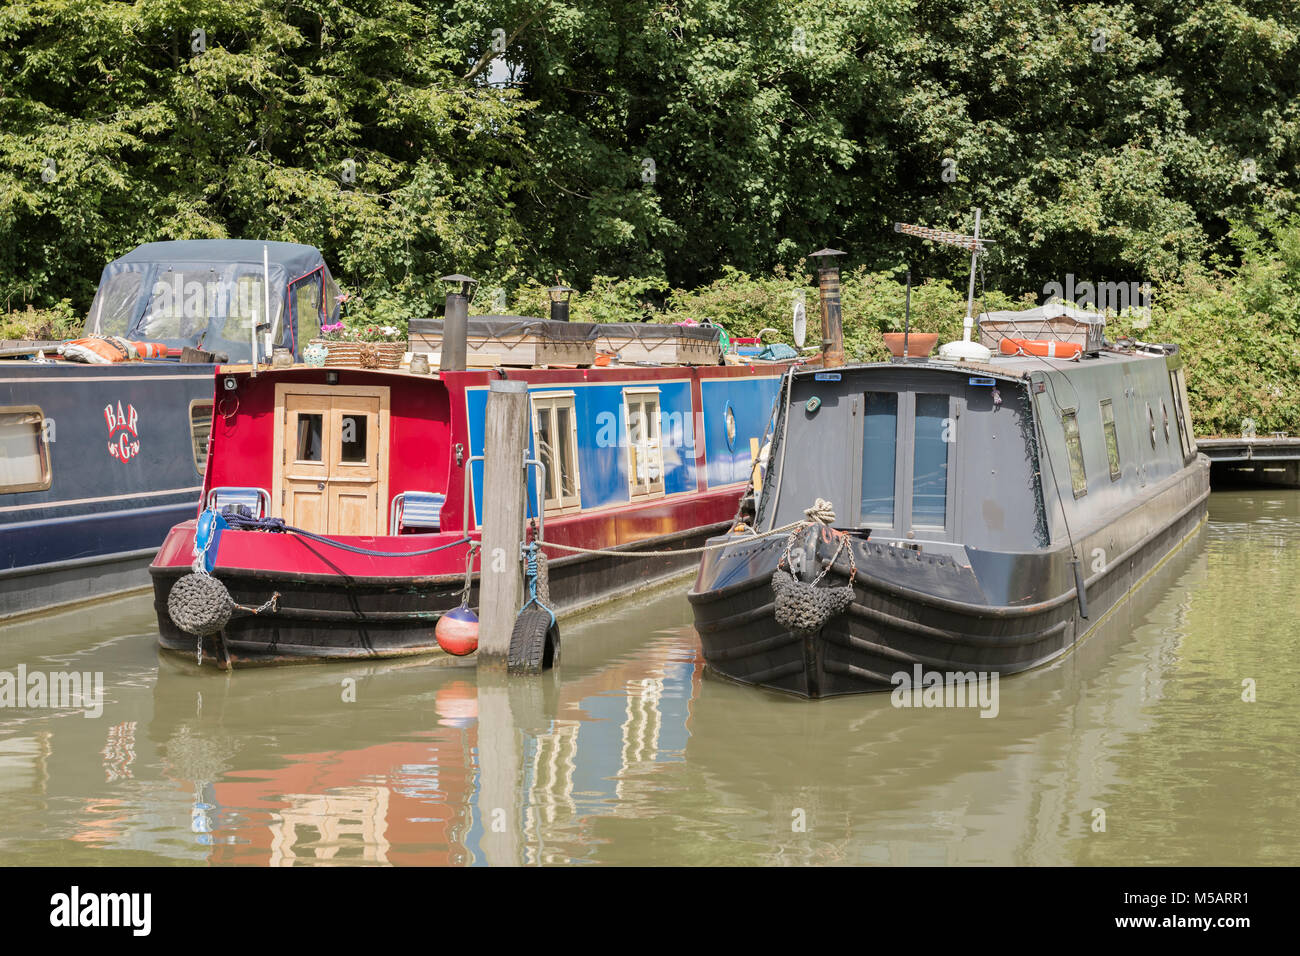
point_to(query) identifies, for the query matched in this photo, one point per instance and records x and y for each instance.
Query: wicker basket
(363, 354)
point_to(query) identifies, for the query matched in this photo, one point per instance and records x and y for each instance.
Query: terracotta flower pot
(919, 344)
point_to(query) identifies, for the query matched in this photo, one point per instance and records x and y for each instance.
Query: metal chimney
(828, 293)
(455, 324)
(559, 296)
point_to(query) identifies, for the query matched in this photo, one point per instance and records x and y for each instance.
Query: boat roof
(295, 258)
(1014, 366)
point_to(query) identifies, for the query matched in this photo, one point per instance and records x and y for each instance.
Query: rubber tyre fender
(534, 643)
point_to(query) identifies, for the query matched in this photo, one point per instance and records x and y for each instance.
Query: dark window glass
(930, 461)
(354, 439)
(879, 438)
(310, 428)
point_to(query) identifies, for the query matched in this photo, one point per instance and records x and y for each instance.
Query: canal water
(1169, 737)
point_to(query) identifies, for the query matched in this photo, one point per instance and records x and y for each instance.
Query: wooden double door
(331, 466)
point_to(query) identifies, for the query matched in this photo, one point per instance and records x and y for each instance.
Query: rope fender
(803, 608)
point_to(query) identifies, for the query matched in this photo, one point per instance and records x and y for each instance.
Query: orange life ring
(1040, 347)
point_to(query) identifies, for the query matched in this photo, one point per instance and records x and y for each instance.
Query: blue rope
(530, 572)
(239, 521)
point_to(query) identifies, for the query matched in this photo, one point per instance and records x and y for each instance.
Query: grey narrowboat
(987, 515)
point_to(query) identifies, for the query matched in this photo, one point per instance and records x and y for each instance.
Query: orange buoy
(1045, 349)
(457, 631)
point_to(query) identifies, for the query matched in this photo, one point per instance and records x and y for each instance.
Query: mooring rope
(539, 588)
(821, 513)
(240, 522)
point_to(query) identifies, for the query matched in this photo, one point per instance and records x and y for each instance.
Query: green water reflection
(632, 754)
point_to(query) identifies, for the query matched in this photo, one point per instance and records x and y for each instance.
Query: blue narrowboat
(104, 451)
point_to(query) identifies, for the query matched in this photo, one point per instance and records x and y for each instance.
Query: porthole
(1151, 422)
(1165, 414)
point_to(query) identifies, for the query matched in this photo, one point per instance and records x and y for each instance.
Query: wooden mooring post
(501, 578)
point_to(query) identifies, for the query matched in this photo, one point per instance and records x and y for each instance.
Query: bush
(57, 323)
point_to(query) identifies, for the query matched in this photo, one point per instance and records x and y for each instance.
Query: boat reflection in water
(628, 754)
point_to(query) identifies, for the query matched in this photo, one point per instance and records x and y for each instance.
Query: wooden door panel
(306, 507)
(353, 508)
(329, 450)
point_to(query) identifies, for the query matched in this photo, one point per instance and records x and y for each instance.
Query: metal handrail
(540, 492)
(465, 496)
(469, 486)
(394, 521)
(263, 495)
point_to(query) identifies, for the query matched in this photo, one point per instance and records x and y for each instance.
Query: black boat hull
(937, 622)
(331, 617)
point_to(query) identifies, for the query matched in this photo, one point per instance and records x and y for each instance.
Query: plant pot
(314, 354)
(362, 354)
(919, 344)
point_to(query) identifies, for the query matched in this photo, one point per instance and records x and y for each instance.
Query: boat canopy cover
(206, 293)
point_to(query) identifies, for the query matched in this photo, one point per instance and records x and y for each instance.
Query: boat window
(353, 438)
(645, 457)
(879, 440)
(1112, 438)
(1074, 448)
(24, 449)
(555, 438)
(179, 306)
(310, 429)
(1179, 386)
(200, 430)
(306, 306)
(246, 300)
(1164, 413)
(933, 435)
(115, 304)
(1151, 425)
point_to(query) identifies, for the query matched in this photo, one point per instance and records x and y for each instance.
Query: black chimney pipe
(455, 323)
(559, 296)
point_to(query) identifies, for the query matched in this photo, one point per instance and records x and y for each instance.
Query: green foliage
(57, 323)
(1239, 331)
(681, 160)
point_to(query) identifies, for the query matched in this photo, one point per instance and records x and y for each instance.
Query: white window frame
(653, 447)
(43, 449)
(549, 403)
(201, 466)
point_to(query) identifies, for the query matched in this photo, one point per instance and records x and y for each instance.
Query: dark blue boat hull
(122, 469)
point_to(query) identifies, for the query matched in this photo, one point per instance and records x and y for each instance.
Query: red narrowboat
(354, 495)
